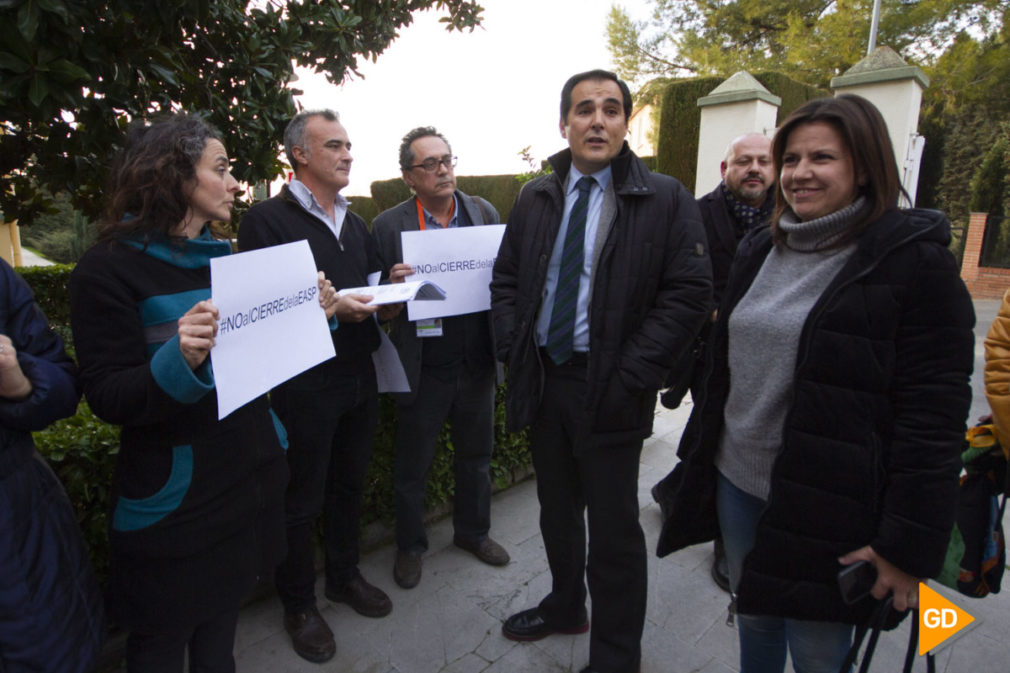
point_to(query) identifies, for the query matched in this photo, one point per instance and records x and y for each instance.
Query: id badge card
(431, 327)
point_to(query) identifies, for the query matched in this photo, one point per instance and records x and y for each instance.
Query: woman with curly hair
(198, 502)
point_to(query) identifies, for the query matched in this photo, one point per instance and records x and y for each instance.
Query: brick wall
(983, 282)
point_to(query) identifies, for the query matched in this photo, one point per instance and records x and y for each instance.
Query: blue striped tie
(561, 331)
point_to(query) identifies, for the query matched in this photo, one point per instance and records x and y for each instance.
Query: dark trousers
(466, 399)
(330, 433)
(210, 648)
(598, 485)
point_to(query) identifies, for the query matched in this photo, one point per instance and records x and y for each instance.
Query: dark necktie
(561, 331)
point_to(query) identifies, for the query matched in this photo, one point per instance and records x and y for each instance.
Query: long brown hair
(864, 133)
(153, 177)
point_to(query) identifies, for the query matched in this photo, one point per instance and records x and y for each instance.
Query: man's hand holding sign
(458, 260)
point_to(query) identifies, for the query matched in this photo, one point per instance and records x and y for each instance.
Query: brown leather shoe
(487, 550)
(365, 599)
(311, 636)
(407, 569)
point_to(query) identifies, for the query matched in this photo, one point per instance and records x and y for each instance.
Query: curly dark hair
(153, 177)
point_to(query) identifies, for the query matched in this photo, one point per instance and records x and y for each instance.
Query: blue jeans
(815, 647)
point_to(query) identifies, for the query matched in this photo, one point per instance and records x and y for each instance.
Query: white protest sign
(271, 326)
(459, 261)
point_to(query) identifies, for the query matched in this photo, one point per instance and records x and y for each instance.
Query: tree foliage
(75, 72)
(964, 115)
(809, 40)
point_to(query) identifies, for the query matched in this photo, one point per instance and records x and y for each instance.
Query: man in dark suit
(601, 282)
(449, 363)
(742, 201)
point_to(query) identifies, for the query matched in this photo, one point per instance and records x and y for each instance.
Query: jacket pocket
(621, 410)
(132, 514)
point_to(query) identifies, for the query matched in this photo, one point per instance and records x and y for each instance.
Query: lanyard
(420, 212)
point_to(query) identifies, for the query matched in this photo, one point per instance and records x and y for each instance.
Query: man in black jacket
(448, 362)
(330, 411)
(742, 201)
(601, 283)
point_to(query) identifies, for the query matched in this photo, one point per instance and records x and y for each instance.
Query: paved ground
(29, 258)
(451, 622)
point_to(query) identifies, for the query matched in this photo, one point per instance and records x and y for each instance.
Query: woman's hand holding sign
(197, 329)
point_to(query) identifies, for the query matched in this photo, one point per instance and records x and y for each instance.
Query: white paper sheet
(389, 374)
(394, 293)
(271, 326)
(459, 260)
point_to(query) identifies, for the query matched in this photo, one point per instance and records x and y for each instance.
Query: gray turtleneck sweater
(764, 335)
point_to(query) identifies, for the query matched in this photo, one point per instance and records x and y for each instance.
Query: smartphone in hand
(856, 580)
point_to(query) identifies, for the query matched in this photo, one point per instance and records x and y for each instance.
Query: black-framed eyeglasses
(430, 165)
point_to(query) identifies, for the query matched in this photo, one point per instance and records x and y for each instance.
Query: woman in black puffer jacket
(830, 427)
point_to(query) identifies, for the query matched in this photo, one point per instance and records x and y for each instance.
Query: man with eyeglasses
(449, 363)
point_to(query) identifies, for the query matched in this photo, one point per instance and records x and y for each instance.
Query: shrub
(680, 117)
(500, 190)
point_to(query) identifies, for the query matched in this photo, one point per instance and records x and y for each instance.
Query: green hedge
(500, 190)
(679, 123)
(792, 93)
(82, 449)
(366, 207)
(680, 117)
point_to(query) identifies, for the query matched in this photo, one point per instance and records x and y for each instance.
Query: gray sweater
(764, 334)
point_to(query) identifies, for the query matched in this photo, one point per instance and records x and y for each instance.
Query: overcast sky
(491, 92)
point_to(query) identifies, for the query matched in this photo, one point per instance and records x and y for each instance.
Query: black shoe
(487, 550)
(311, 636)
(662, 499)
(365, 599)
(407, 569)
(530, 625)
(720, 566)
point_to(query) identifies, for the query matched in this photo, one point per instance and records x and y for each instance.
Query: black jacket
(193, 495)
(871, 443)
(652, 285)
(722, 235)
(346, 263)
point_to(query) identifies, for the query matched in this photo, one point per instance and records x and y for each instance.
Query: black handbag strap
(874, 626)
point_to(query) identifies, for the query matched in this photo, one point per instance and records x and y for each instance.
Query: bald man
(742, 201)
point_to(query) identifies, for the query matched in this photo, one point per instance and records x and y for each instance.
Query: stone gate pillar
(737, 106)
(895, 88)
